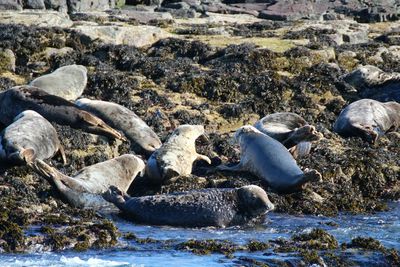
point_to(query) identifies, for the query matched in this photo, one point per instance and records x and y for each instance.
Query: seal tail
(115, 196)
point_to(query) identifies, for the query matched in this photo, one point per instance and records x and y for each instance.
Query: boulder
(94, 5)
(10, 4)
(7, 60)
(34, 4)
(36, 18)
(57, 5)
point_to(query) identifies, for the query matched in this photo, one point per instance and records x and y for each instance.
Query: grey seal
(199, 208)
(67, 82)
(368, 119)
(123, 119)
(55, 109)
(269, 160)
(84, 189)
(29, 137)
(176, 156)
(291, 130)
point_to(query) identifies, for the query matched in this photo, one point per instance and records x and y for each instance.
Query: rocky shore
(218, 64)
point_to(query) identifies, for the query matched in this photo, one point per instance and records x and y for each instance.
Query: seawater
(383, 226)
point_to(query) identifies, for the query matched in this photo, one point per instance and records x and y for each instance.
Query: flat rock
(137, 36)
(36, 18)
(142, 16)
(67, 82)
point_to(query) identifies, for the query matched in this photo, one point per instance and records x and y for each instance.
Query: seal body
(55, 109)
(368, 119)
(269, 160)
(198, 208)
(67, 82)
(123, 119)
(176, 156)
(29, 137)
(84, 189)
(291, 130)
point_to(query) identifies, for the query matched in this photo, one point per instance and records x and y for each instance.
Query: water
(384, 226)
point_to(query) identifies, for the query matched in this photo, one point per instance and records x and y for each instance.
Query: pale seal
(199, 208)
(269, 160)
(29, 137)
(123, 119)
(368, 119)
(67, 82)
(291, 130)
(84, 189)
(55, 109)
(176, 156)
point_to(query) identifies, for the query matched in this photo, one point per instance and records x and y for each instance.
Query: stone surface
(7, 60)
(137, 36)
(37, 18)
(142, 16)
(94, 5)
(57, 5)
(10, 4)
(34, 4)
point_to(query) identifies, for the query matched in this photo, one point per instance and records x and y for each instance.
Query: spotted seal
(67, 82)
(269, 160)
(84, 189)
(199, 208)
(368, 119)
(123, 119)
(29, 137)
(55, 109)
(291, 130)
(176, 156)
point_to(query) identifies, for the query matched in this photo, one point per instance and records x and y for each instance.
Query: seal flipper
(26, 155)
(237, 167)
(96, 125)
(300, 150)
(311, 175)
(62, 153)
(367, 132)
(306, 133)
(203, 157)
(115, 196)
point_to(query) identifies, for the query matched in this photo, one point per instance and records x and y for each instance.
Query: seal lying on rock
(53, 108)
(198, 208)
(368, 119)
(67, 82)
(291, 130)
(269, 160)
(84, 189)
(176, 156)
(29, 137)
(123, 119)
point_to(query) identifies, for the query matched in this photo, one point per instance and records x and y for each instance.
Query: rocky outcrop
(37, 18)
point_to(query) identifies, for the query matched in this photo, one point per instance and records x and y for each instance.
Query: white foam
(76, 261)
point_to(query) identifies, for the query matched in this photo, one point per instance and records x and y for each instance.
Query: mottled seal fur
(291, 130)
(269, 160)
(368, 119)
(55, 109)
(29, 137)
(123, 119)
(84, 189)
(176, 156)
(67, 82)
(200, 208)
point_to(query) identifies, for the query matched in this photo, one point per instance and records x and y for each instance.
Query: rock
(7, 60)
(137, 36)
(34, 4)
(36, 18)
(11, 5)
(143, 16)
(144, 2)
(67, 82)
(57, 5)
(50, 51)
(94, 5)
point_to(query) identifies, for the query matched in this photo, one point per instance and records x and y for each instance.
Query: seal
(291, 130)
(55, 109)
(29, 137)
(67, 82)
(84, 189)
(368, 119)
(124, 120)
(176, 156)
(269, 160)
(218, 207)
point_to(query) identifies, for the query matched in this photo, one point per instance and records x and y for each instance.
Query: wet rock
(37, 18)
(137, 36)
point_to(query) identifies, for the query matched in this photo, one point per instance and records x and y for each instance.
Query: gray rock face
(67, 82)
(58, 5)
(34, 4)
(95, 5)
(10, 5)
